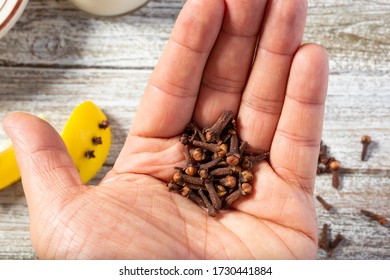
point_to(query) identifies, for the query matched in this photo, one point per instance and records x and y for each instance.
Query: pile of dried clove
(217, 169)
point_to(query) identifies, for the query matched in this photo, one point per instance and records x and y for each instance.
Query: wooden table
(57, 56)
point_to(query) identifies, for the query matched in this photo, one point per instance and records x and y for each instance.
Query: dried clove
(104, 124)
(365, 140)
(328, 164)
(221, 190)
(191, 186)
(246, 176)
(323, 243)
(246, 189)
(211, 210)
(215, 200)
(229, 181)
(223, 171)
(213, 133)
(185, 139)
(233, 157)
(217, 170)
(376, 217)
(197, 199)
(203, 173)
(97, 140)
(231, 198)
(185, 191)
(210, 164)
(181, 177)
(219, 149)
(90, 154)
(172, 186)
(339, 237)
(334, 167)
(243, 147)
(196, 131)
(191, 170)
(198, 154)
(325, 204)
(323, 151)
(248, 161)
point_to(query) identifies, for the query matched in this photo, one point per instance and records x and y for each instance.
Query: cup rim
(10, 12)
(95, 10)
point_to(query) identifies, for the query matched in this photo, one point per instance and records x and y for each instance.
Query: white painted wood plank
(15, 240)
(365, 239)
(355, 33)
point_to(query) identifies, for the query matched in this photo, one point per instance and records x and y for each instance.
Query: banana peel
(87, 136)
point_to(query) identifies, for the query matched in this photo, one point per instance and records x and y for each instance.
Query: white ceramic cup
(10, 12)
(108, 7)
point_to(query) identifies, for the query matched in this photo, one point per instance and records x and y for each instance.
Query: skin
(205, 69)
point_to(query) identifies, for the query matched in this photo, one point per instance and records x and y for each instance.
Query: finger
(48, 172)
(169, 100)
(228, 66)
(263, 97)
(294, 150)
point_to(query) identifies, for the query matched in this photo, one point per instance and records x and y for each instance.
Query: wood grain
(56, 57)
(355, 34)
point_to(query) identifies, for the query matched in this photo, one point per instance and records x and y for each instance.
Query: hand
(205, 69)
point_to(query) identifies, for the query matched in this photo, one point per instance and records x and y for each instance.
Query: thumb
(47, 170)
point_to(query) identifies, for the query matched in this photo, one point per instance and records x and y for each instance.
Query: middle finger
(227, 69)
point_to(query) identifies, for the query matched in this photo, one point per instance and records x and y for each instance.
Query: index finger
(170, 97)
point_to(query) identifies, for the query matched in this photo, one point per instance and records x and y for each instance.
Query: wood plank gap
(354, 171)
(70, 67)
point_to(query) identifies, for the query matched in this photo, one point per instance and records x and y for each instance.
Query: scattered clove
(375, 217)
(333, 245)
(334, 167)
(325, 242)
(365, 140)
(339, 237)
(325, 204)
(328, 164)
(217, 169)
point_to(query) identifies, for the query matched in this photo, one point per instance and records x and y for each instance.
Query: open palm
(244, 56)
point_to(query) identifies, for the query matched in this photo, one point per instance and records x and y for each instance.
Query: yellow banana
(87, 136)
